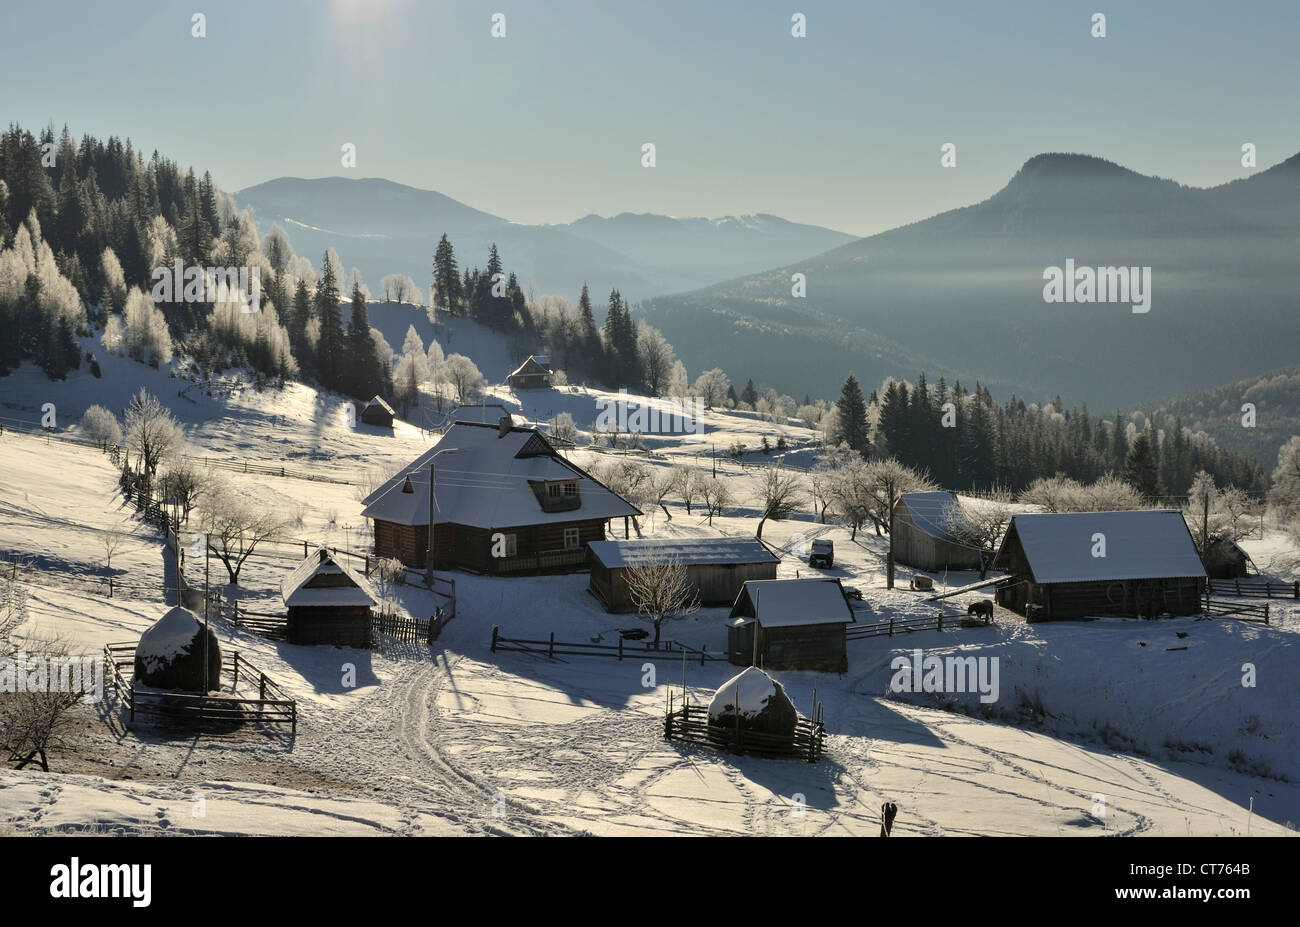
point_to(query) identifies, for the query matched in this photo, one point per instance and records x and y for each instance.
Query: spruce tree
(329, 349)
(852, 409)
(364, 379)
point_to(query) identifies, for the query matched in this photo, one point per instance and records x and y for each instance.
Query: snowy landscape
(640, 421)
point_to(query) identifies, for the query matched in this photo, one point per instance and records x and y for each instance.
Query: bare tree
(13, 607)
(35, 720)
(151, 432)
(686, 483)
(563, 428)
(661, 589)
(662, 485)
(981, 523)
(715, 495)
(780, 492)
(387, 575)
(111, 540)
(883, 482)
(463, 375)
(235, 526)
(182, 484)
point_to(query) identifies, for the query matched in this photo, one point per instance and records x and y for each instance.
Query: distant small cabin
(378, 412)
(717, 567)
(926, 533)
(1090, 564)
(534, 373)
(799, 623)
(328, 603)
(1224, 559)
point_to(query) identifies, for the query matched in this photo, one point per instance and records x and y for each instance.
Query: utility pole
(889, 567)
(428, 565)
(715, 461)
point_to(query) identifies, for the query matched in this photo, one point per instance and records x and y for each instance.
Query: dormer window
(565, 490)
(557, 495)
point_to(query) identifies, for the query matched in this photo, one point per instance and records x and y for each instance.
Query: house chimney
(323, 555)
(504, 426)
(406, 485)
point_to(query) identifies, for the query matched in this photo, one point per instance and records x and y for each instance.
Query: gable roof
(322, 580)
(688, 551)
(1143, 544)
(378, 402)
(531, 367)
(935, 513)
(485, 480)
(783, 603)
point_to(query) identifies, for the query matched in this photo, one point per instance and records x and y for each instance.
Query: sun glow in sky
(842, 128)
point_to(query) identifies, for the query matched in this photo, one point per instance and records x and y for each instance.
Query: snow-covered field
(1100, 728)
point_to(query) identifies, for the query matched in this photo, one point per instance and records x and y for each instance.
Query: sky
(841, 128)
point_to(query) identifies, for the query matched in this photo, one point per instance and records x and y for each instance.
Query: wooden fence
(1254, 589)
(902, 626)
(272, 705)
(552, 649)
(691, 723)
(1242, 611)
(412, 630)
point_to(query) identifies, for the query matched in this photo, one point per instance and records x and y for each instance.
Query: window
(561, 490)
(512, 545)
(571, 541)
(553, 490)
(570, 489)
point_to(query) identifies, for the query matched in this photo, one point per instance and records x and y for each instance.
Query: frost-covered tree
(100, 425)
(144, 333)
(464, 377)
(711, 386)
(656, 356)
(152, 434)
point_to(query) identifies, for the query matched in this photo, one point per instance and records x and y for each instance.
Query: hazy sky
(842, 128)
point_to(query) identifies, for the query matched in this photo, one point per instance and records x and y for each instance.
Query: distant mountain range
(383, 227)
(962, 294)
(1275, 397)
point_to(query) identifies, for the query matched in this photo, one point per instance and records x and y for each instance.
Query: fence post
(891, 625)
(494, 638)
(551, 650)
(110, 587)
(940, 621)
(261, 689)
(235, 684)
(620, 648)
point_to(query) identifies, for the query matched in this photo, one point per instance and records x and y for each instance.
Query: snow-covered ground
(1099, 728)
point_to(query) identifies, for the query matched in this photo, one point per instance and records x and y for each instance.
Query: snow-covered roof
(783, 603)
(936, 513)
(378, 402)
(1143, 544)
(534, 366)
(687, 551)
(322, 580)
(485, 480)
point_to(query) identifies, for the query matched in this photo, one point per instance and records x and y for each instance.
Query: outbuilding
(1089, 564)
(328, 602)
(927, 533)
(1225, 559)
(717, 567)
(798, 623)
(534, 373)
(378, 412)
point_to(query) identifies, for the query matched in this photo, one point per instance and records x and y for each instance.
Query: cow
(982, 608)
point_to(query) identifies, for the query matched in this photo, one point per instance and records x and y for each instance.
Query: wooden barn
(1150, 567)
(328, 602)
(378, 412)
(926, 528)
(504, 501)
(718, 567)
(800, 624)
(534, 373)
(1224, 559)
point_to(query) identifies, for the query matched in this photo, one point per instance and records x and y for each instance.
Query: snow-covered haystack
(170, 654)
(756, 702)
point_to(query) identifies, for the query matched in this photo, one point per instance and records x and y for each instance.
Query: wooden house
(717, 567)
(504, 501)
(534, 373)
(328, 602)
(378, 412)
(1087, 564)
(799, 624)
(927, 533)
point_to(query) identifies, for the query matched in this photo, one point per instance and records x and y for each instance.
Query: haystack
(170, 654)
(754, 701)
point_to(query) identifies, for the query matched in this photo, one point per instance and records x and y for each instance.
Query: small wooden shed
(378, 412)
(1225, 559)
(926, 533)
(1090, 564)
(718, 567)
(328, 603)
(799, 624)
